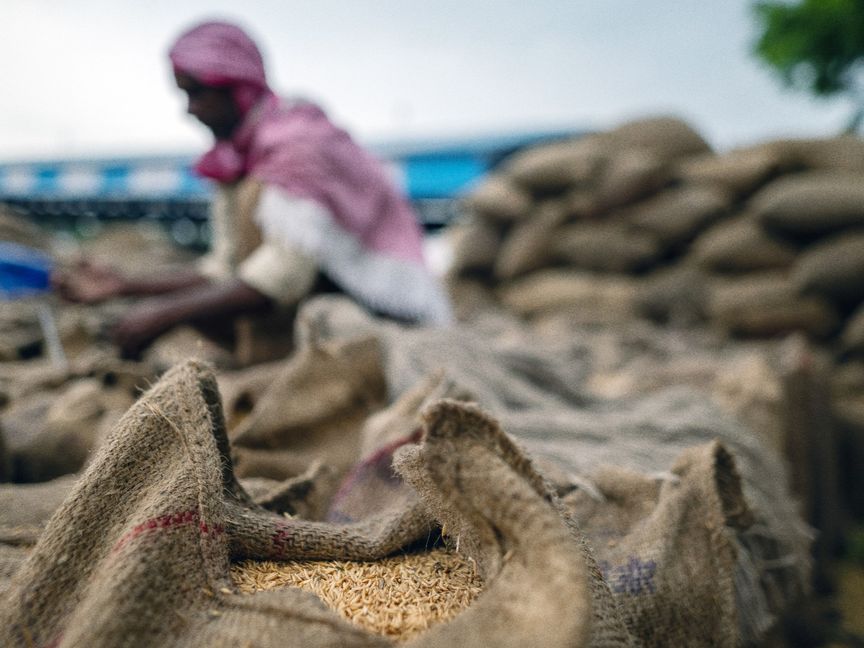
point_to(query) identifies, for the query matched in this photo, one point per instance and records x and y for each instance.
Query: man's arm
(89, 283)
(199, 302)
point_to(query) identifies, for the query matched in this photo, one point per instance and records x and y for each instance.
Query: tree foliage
(814, 45)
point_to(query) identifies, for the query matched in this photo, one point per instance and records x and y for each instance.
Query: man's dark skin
(180, 297)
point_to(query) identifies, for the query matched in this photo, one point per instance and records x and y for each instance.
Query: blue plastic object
(24, 271)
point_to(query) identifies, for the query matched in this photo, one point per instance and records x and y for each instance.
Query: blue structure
(432, 173)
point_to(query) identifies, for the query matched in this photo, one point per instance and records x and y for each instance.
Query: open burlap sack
(554, 167)
(571, 436)
(766, 304)
(675, 216)
(591, 297)
(475, 246)
(740, 244)
(498, 198)
(528, 245)
(738, 172)
(667, 137)
(814, 203)
(604, 247)
(163, 515)
(833, 268)
(312, 410)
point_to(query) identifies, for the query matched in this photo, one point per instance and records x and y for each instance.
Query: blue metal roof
(424, 169)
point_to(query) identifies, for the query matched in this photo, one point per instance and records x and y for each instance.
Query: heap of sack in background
(645, 220)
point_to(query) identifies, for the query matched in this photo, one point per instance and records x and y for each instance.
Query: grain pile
(397, 597)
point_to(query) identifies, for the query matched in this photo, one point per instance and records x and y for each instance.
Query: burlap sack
(844, 153)
(815, 203)
(739, 245)
(470, 298)
(630, 174)
(560, 427)
(313, 410)
(135, 248)
(162, 514)
(498, 198)
(552, 168)
(26, 508)
(475, 246)
(50, 434)
(766, 304)
(529, 245)
(833, 268)
(667, 137)
(242, 389)
(589, 297)
(23, 231)
(676, 295)
(675, 216)
(604, 247)
(738, 172)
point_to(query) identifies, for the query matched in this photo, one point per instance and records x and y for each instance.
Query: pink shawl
(294, 146)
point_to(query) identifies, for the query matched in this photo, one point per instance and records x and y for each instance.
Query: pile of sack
(646, 221)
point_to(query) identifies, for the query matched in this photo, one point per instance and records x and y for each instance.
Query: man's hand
(88, 283)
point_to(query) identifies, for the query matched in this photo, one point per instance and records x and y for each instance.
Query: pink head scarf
(222, 55)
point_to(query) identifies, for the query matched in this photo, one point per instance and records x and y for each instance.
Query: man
(299, 206)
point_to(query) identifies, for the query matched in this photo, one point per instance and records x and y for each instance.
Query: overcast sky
(90, 77)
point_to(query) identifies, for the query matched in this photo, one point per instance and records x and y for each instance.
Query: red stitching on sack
(168, 521)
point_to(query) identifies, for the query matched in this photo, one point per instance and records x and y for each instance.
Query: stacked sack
(645, 220)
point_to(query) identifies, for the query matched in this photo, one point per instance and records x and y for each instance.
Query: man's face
(213, 107)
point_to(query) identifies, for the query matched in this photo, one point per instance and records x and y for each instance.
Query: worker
(300, 208)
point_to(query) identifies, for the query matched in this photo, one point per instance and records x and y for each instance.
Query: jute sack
(833, 268)
(24, 231)
(475, 246)
(629, 175)
(589, 297)
(529, 245)
(554, 167)
(845, 153)
(470, 298)
(811, 204)
(675, 216)
(161, 514)
(604, 247)
(738, 172)
(498, 198)
(313, 410)
(26, 508)
(667, 137)
(52, 434)
(738, 245)
(243, 388)
(676, 295)
(766, 304)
